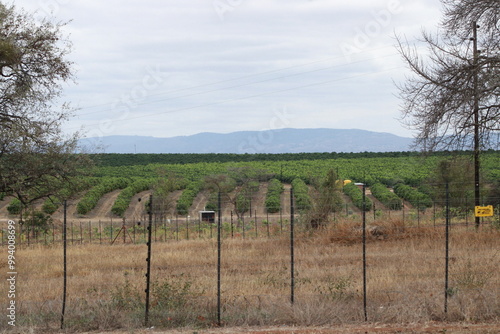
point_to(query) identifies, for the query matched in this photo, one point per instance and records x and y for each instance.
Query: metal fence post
(232, 225)
(446, 273)
(219, 251)
(148, 260)
(177, 227)
(292, 250)
(243, 224)
(364, 252)
(64, 266)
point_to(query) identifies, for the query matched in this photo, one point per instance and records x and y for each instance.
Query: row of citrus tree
(303, 196)
(391, 180)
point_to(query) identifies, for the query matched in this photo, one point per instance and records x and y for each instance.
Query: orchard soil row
(136, 210)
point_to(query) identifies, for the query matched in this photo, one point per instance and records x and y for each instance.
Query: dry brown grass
(405, 277)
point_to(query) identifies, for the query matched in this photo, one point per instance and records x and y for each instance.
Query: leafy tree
(50, 205)
(327, 200)
(15, 207)
(165, 184)
(356, 196)
(36, 160)
(330, 193)
(38, 221)
(458, 173)
(387, 197)
(187, 197)
(33, 67)
(493, 197)
(89, 201)
(416, 198)
(273, 197)
(303, 202)
(237, 186)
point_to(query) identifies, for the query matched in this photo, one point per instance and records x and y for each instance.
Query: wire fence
(304, 264)
(249, 225)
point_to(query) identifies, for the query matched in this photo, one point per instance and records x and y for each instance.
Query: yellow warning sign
(484, 211)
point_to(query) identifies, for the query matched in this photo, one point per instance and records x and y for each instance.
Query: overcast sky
(167, 68)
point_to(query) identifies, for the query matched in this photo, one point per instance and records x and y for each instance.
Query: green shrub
(356, 195)
(50, 205)
(39, 220)
(122, 202)
(213, 202)
(301, 194)
(126, 297)
(187, 197)
(14, 207)
(242, 203)
(171, 294)
(90, 199)
(387, 197)
(273, 197)
(412, 195)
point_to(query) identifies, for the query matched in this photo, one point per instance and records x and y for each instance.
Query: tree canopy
(36, 159)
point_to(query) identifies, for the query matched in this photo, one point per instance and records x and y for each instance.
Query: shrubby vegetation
(326, 199)
(301, 194)
(356, 195)
(369, 168)
(243, 198)
(187, 197)
(50, 205)
(238, 181)
(273, 197)
(14, 207)
(387, 197)
(128, 159)
(90, 199)
(122, 202)
(412, 195)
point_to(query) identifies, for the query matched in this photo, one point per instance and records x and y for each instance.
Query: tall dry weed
(405, 279)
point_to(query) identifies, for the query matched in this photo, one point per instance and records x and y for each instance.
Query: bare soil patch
(135, 210)
(434, 327)
(199, 203)
(103, 207)
(70, 210)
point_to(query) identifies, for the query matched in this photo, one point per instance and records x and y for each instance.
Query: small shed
(207, 216)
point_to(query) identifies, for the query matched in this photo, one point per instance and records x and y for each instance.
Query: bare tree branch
(438, 98)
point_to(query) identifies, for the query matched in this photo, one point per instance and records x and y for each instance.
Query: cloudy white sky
(179, 67)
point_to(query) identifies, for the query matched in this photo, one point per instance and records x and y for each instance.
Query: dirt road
(434, 327)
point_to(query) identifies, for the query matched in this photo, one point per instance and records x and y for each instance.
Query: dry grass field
(405, 282)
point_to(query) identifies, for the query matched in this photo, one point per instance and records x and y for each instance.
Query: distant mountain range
(270, 141)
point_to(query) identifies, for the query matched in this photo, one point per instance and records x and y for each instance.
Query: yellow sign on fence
(484, 211)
